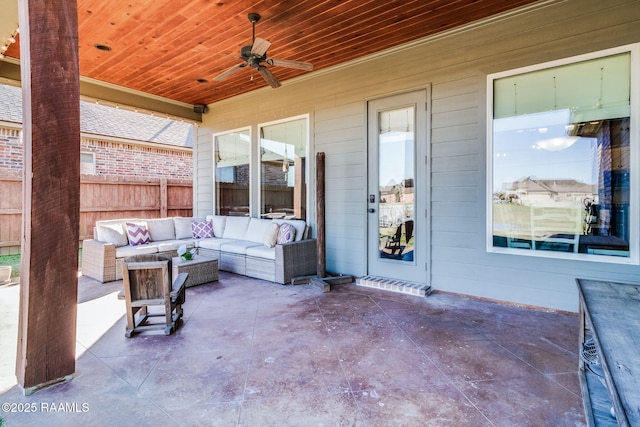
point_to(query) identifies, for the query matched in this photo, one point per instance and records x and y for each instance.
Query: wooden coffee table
(201, 269)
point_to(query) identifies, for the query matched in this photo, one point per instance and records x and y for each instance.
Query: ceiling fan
(255, 56)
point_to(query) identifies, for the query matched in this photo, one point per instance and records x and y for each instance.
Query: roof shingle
(109, 121)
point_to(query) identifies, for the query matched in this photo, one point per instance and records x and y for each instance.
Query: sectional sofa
(276, 250)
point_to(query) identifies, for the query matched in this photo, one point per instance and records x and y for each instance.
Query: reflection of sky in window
(396, 157)
(518, 152)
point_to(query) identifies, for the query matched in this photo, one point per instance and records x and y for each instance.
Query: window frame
(634, 167)
(93, 162)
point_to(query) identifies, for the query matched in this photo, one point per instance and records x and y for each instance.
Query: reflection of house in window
(542, 192)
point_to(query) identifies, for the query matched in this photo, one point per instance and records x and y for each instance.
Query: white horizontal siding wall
(456, 66)
(203, 174)
(339, 133)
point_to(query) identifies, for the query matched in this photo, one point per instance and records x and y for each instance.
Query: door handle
(371, 210)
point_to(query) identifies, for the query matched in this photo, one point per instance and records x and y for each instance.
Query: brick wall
(111, 158)
(10, 149)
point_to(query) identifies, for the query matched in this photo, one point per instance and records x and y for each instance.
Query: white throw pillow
(112, 233)
(271, 237)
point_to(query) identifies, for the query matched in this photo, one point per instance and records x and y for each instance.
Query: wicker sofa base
(291, 260)
(261, 268)
(233, 263)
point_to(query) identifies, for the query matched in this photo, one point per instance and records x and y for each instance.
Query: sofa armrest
(296, 259)
(99, 260)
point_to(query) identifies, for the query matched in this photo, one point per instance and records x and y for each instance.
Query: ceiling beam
(113, 94)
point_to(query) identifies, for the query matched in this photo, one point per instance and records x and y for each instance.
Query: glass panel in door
(396, 177)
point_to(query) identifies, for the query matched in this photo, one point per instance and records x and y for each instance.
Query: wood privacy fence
(101, 197)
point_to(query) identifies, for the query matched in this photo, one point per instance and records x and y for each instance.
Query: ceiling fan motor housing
(252, 59)
(245, 52)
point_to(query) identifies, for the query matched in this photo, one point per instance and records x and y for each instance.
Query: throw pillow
(201, 229)
(138, 234)
(286, 233)
(113, 233)
(271, 236)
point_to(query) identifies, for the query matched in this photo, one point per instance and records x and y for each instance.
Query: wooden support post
(320, 230)
(51, 192)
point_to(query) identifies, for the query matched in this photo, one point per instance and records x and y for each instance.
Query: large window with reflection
(283, 154)
(561, 169)
(232, 159)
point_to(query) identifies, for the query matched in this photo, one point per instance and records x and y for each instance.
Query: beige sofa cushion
(239, 246)
(126, 251)
(236, 227)
(259, 230)
(218, 222)
(213, 243)
(183, 228)
(262, 252)
(161, 229)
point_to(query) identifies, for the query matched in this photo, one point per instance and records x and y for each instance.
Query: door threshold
(393, 285)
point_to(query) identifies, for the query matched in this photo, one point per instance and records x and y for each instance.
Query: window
(232, 159)
(87, 163)
(560, 163)
(283, 153)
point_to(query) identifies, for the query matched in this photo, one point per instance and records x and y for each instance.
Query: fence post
(163, 198)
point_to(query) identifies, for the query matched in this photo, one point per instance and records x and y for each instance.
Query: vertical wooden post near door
(320, 233)
(51, 192)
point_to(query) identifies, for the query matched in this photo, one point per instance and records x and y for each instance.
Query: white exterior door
(398, 187)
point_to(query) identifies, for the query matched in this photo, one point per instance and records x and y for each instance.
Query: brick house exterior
(118, 142)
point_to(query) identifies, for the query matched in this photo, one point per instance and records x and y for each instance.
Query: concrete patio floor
(254, 353)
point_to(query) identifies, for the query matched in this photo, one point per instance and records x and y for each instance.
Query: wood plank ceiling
(175, 48)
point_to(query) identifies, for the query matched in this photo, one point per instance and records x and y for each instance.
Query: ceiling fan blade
(260, 46)
(291, 64)
(269, 77)
(227, 73)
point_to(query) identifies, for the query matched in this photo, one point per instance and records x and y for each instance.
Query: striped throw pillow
(138, 234)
